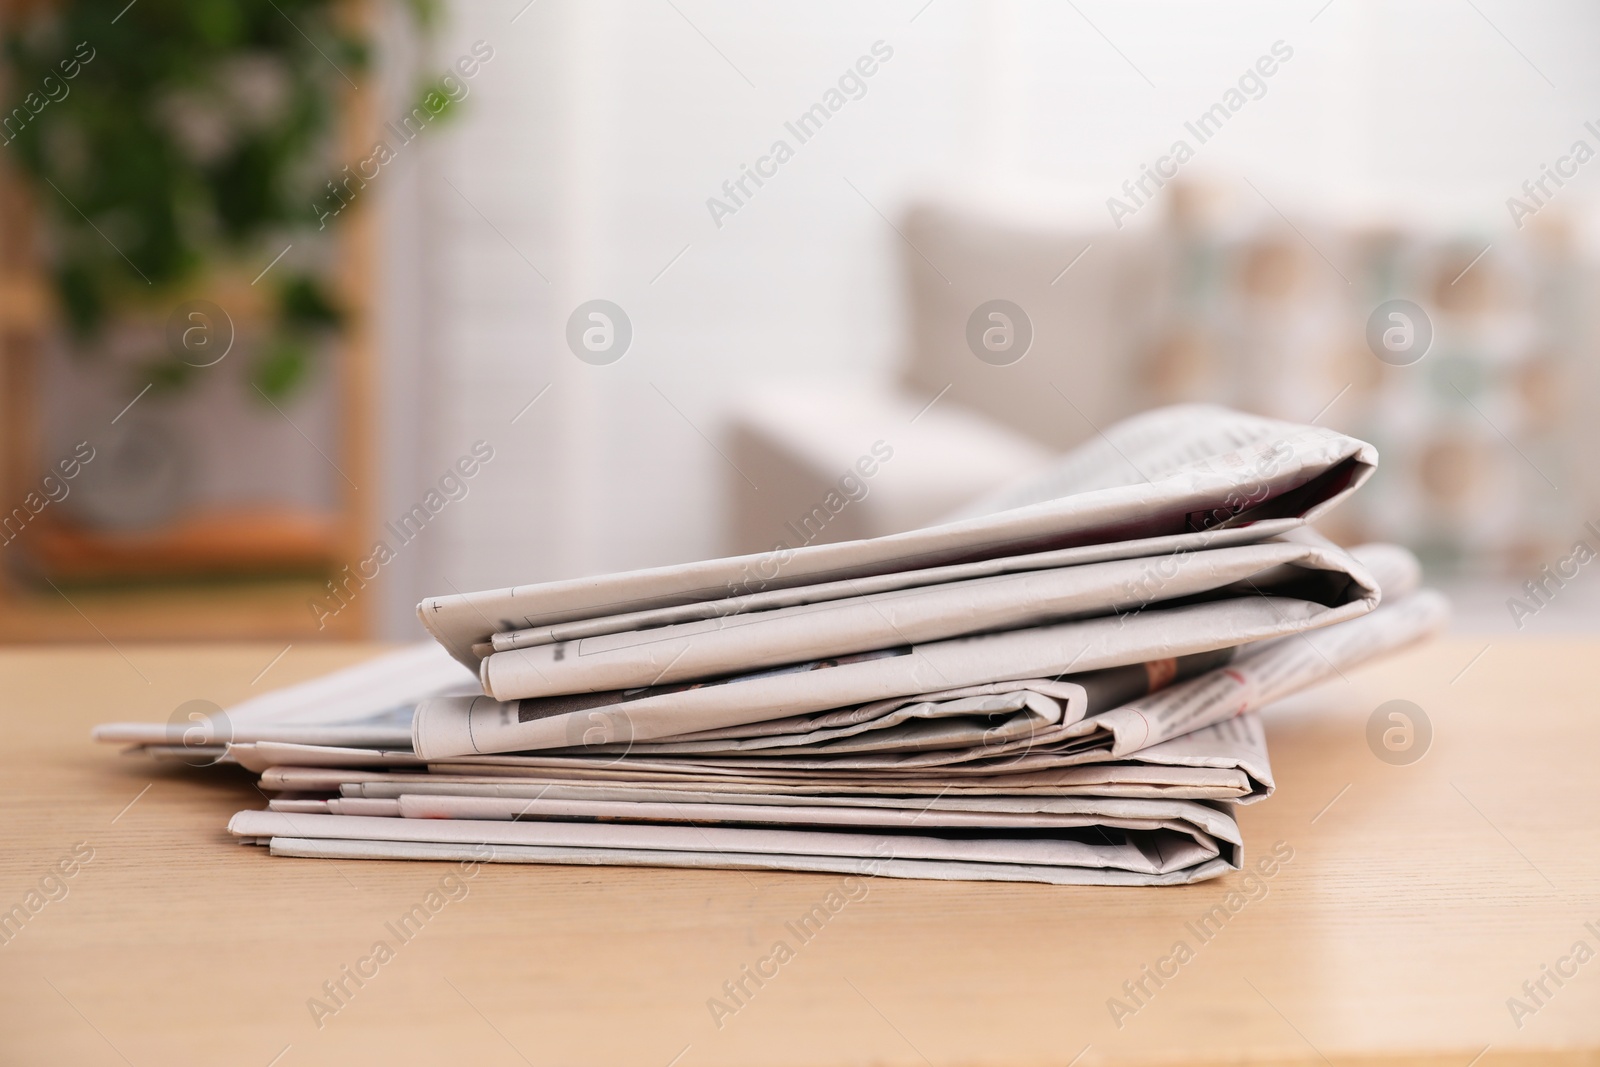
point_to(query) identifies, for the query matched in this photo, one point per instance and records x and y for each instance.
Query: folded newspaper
(1063, 685)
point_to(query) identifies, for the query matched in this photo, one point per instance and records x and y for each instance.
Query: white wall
(593, 139)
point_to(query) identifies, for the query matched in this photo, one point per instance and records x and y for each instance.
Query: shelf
(25, 306)
(221, 574)
(241, 542)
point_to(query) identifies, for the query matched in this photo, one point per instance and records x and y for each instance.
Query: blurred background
(313, 308)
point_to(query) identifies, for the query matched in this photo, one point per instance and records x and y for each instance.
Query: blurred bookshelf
(212, 571)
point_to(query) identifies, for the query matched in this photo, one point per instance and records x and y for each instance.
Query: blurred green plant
(187, 135)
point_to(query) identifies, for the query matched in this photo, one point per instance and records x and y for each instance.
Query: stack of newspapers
(1060, 685)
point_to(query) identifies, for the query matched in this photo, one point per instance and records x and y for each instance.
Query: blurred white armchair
(833, 465)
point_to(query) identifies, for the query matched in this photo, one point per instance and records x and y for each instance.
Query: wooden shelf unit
(266, 608)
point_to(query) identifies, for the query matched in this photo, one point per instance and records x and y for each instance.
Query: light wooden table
(1418, 900)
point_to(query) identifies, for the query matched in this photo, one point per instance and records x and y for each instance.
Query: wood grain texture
(1419, 898)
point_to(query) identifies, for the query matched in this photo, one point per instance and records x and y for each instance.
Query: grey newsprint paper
(1071, 682)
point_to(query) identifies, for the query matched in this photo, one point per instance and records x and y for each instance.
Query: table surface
(1418, 901)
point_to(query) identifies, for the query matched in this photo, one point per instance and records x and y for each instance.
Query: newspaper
(1064, 729)
(370, 705)
(1240, 772)
(1258, 676)
(986, 715)
(1064, 684)
(453, 726)
(323, 848)
(715, 647)
(999, 736)
(1206, 724)
(1072, 842)
(1263, 674)
(1181, 473)
(821, 592)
